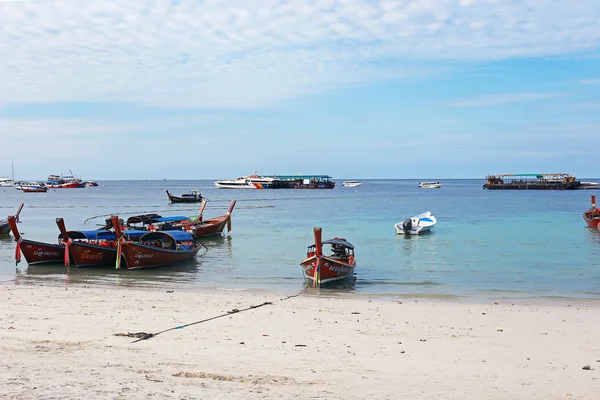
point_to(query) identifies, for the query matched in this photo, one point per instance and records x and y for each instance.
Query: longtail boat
(214, 226)
(5, 226)
(592, 216)
(322, 269)
(35, 252)
(155, 249)
(92, 248)
(191, 197)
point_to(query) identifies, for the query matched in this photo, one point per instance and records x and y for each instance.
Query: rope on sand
(145, 336)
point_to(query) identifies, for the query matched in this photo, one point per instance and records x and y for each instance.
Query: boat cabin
(339, 249)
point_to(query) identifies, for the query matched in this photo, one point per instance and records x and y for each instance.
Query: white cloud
(500, 99)
(247, 53)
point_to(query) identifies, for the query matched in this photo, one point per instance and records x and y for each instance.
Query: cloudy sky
(195, 89)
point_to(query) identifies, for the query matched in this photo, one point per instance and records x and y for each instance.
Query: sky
(357, 89)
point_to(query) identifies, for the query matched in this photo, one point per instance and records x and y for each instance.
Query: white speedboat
(6, 182)
(430, 185)
(249, 182)
(351, 184)
(416, 225)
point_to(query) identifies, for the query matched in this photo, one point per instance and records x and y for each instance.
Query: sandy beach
(60, 342)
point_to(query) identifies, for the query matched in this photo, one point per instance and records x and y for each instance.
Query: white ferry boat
(430, 185)
(249, 182)
(351, 184)
(6, 182)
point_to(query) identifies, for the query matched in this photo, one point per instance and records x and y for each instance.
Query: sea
(486, 245)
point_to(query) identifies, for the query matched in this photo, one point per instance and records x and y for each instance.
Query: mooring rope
(145, 336)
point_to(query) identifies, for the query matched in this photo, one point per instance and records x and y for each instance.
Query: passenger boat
(430, 185)
(35, 252)
(416, 225)
(33, 187)
(592, 216)
(155, 249)
(92, 248)
(351, 184)
(315, 183)
(214, 226)
(322, 269)
(191, 197)
(557, 181)
(253, 181)
(6, 182)
(4, 224)
(64, 182)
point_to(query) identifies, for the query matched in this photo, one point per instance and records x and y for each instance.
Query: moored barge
(558, 181)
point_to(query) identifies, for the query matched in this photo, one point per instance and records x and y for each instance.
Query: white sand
(57, 342)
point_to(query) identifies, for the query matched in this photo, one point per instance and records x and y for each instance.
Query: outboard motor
(407, 225)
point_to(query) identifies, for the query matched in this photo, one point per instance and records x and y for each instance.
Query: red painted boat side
(37, 190)
(592, 216)
(141, 256)
(211, 226)
(90, 255)
(70, 185)
(40, 253)
(331, 269)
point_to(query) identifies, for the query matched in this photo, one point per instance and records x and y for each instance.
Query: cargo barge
(532, 182)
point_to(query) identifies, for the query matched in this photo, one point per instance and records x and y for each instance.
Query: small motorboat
(91, 183)
(416, 225)
(4, 223)
(155, 249)
(351, 184)
(205, 227)
(430, 185)
(33, 187)
(191, 197)
(35, 252)
(592, 216)
(92, 248)
(336, 266)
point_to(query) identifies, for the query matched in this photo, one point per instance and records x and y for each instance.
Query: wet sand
(59, 341)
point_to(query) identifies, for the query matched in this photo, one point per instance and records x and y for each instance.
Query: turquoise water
(486, 243)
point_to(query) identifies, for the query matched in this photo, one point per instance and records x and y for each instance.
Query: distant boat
(592, 216)
(32, 187)
(589, 185)
(6, 182)
(416, 225)
(315, 183)
(430, 185)
(351, 184)
(321, 268)
(64, 182)
(253, 181)
(91, 183)
(4, 224)
(191, 197)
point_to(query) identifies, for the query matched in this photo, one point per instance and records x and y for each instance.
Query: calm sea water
(486, 243)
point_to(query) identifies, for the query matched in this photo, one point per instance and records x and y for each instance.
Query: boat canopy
(339, 242)
(171, 219)
(103, 235)
(177, 236)
(143, 219)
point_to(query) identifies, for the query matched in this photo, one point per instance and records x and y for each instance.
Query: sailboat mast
(13, 170)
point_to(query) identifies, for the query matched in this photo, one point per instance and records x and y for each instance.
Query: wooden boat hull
(331, 270)
(592, 216)
(177, 199)
(34, 190)
(89, 255)
(69, 185)
(141, 256)
(42, 253)
(213, 226)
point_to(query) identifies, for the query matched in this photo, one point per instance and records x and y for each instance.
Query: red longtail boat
(93, 248)
(35, 252)
(592, 216)
(214, 226)
(155, 249)
(320, 268)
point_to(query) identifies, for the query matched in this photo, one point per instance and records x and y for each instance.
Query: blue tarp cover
(171, 219)
(177, 235)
